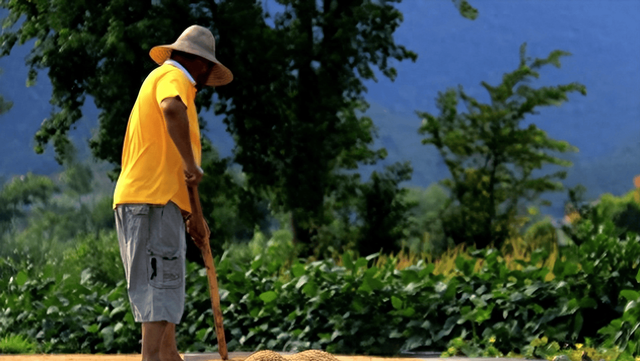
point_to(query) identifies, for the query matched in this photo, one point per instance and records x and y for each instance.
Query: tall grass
(514, 253)
(17, 344)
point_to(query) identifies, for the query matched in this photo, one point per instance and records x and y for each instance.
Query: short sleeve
(173, 84)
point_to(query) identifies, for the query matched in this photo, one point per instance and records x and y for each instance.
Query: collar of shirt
(179, 66)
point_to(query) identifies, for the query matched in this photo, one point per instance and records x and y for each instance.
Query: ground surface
(233, 356)
(188, 357)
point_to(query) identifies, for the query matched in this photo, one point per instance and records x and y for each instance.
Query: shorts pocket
(165, 265)
(164, 271)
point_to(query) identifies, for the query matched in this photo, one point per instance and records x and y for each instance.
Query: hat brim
(220, 74)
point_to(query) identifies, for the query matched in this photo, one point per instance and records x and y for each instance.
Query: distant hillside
(607, 174)
(397, 132)
(612, 174)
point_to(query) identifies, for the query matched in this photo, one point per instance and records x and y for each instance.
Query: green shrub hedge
(354, 307)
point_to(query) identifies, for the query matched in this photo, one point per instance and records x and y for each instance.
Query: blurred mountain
(397, 133)
(611, 173)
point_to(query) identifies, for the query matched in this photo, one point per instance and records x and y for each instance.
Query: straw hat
(196, 40)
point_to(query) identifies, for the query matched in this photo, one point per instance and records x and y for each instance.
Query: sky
(602, 36)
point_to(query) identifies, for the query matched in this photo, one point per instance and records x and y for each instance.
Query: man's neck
(185, 69)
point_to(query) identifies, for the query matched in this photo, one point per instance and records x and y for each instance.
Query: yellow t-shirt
(152, 168)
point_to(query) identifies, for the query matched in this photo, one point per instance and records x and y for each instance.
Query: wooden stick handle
(194, 200)
(214, 293)
(215, 300)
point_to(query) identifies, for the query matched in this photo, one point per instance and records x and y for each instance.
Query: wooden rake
(205, 248)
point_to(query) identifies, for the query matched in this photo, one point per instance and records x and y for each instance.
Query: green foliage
(541, 234)
(40, 215)
(48, 231)
(460, 346)
(87, 49)
(607, 265)
(369, 217)
(4, 104)
(100, 256)
(483, 307)
(614, 216)
(278, 248)
(20, 193)
(424, 309)
(27, 190)
(101, 215)
(78, 178)
(624, 331)
(623, 211)
(466, 9)
(542, 348)
(424, 233)
(382, 210)
(296, 111)
(16, 344)
(230, 208)
(72, 316)
(67, 308)
(491, 156)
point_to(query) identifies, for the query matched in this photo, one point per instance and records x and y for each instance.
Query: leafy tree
(294, 108)
(96, 48)
(492, 157)
(26, 190)
(232, 212)
(99, 48)
(19, 195)
(382, 209)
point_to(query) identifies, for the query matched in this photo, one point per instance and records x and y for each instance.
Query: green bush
(624, 331)
(623, 212)
(67, 313)
(68, 304)
(355, 306)
(331, 307)
(100, 255)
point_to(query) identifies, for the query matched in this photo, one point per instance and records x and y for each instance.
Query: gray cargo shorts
(153, 248)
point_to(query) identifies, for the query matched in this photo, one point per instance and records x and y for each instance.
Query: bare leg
(152, 339)
(168, 348)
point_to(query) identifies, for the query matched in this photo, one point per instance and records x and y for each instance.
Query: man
(161, 156)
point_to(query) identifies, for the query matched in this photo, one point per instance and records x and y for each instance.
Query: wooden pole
(214, 293)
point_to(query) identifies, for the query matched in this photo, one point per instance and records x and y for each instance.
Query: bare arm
(175, 114)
